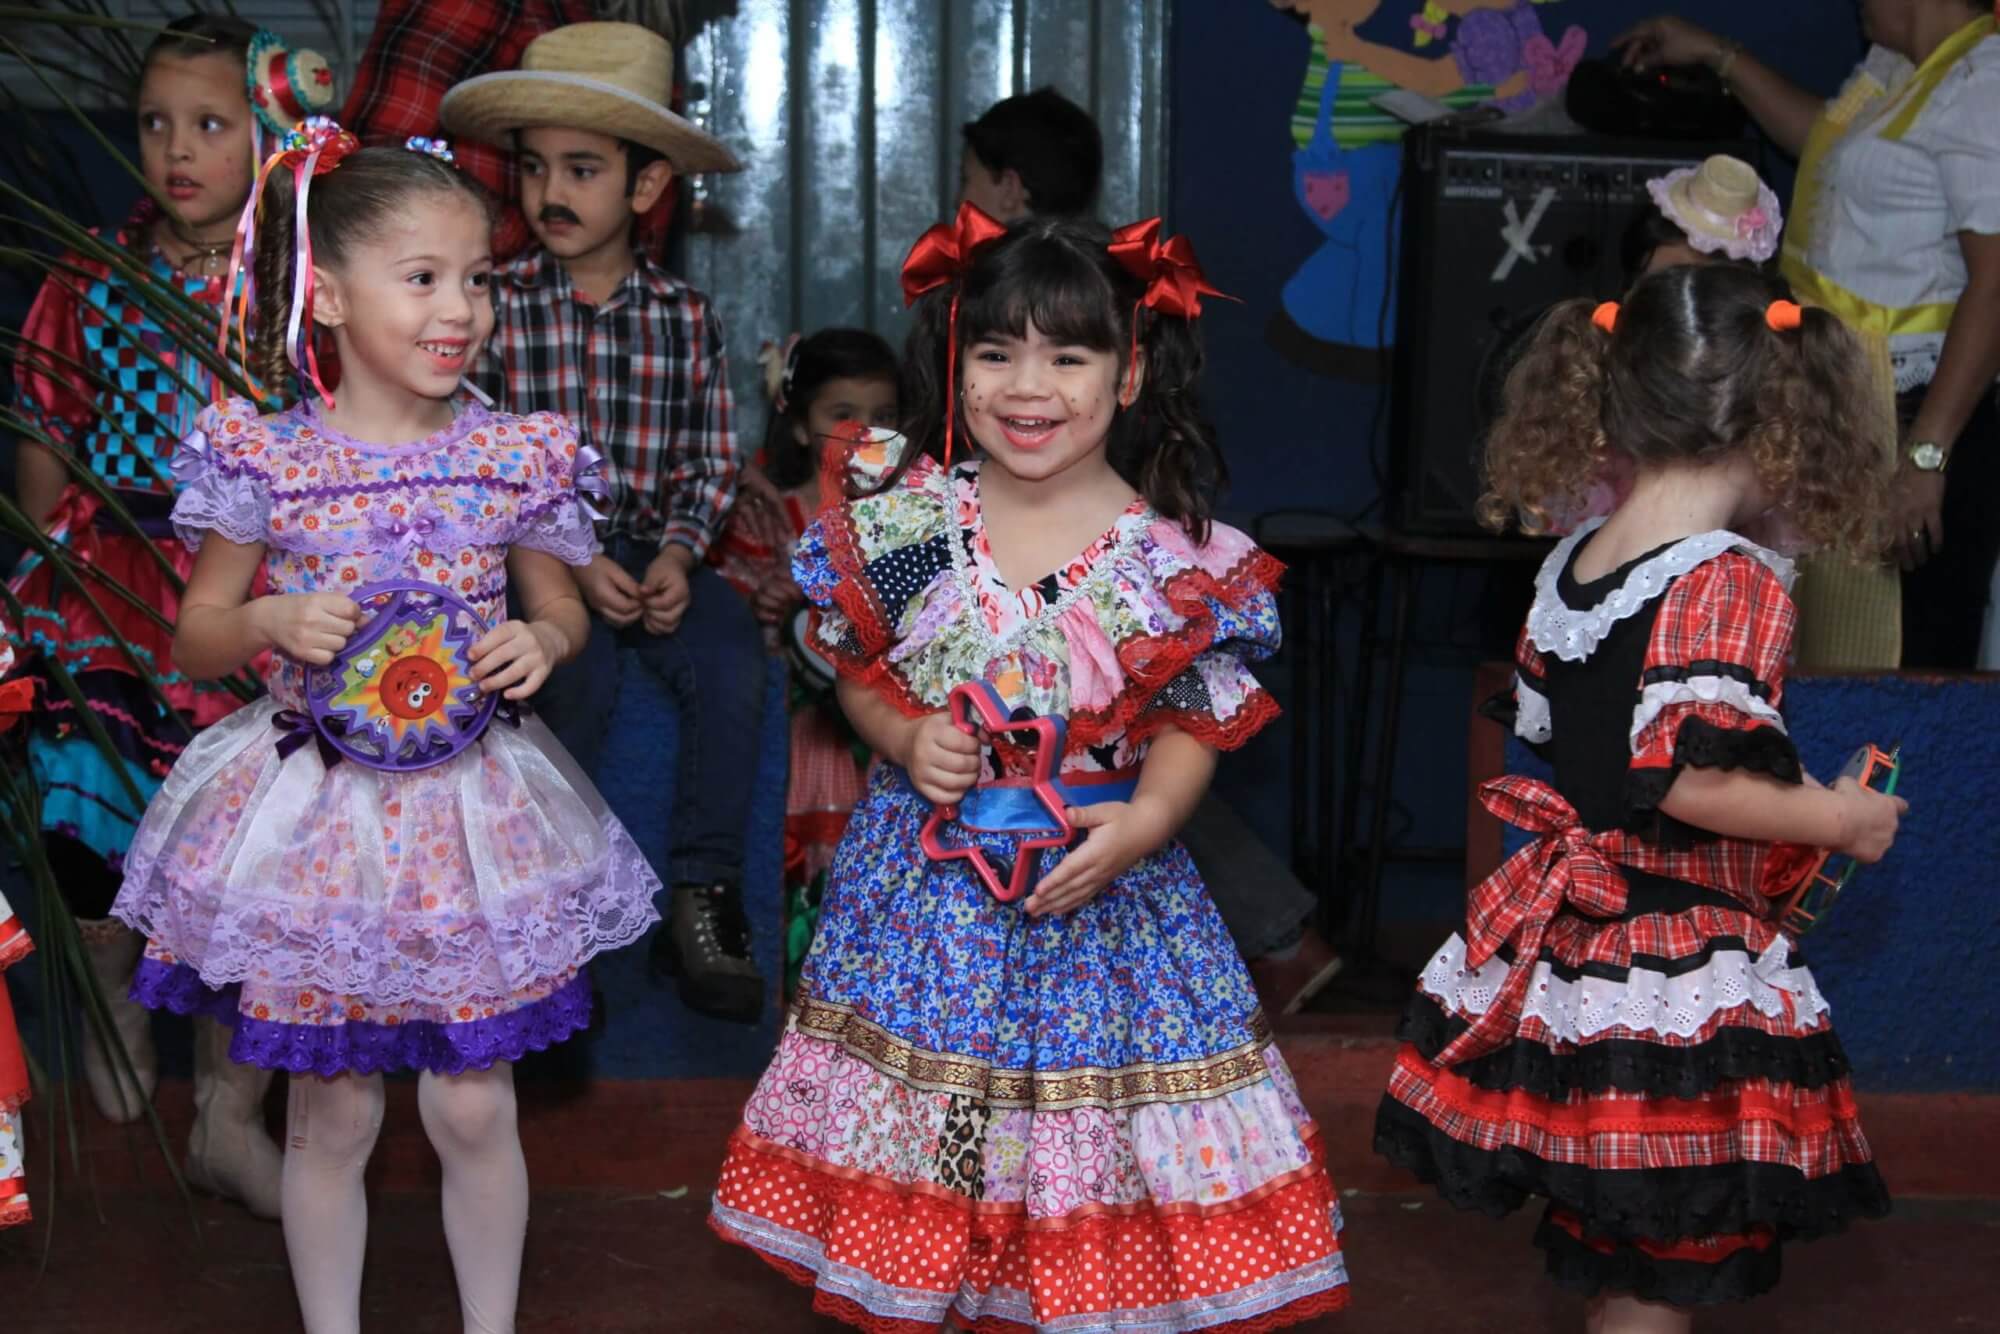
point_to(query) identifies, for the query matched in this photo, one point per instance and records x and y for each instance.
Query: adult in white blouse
(1895, 226)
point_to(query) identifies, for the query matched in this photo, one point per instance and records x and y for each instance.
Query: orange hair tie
(1605, 316)
(1783, 315)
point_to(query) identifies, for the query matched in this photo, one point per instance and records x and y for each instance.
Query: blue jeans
(713, 666)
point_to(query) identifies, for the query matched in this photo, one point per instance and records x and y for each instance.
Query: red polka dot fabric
(888, 1255)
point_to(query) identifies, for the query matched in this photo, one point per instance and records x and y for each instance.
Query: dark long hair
(346, 206)
(829, 355)
(1693, 372)
(1058, 275)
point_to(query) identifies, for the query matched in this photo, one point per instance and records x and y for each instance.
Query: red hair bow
(940, 256)
(1174, 281)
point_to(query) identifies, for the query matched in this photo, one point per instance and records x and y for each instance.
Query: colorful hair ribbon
(1174, 281)
(1605, 316)
(1783, 316)
(940, 257)
(436, 148)
(313, 149)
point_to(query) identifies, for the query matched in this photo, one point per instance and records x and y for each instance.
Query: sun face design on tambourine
(401, 694)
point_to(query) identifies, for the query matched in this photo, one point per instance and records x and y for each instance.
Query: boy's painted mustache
(557, 213)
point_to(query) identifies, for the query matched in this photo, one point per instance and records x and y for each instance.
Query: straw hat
(1723, 207)
(614, 78)
(285, 87)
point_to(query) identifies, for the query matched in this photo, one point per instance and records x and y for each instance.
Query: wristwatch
(1927, 456)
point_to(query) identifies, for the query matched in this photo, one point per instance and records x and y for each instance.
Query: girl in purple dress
(347, 918)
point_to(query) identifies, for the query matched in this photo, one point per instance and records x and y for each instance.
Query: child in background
(346, 919)
(1624, 1027)
(592, 328)
(833, 395)
(106, 388)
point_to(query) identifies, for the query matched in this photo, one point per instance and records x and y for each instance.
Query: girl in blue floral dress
(1063, 1112)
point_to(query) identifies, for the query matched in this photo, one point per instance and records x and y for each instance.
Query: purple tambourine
(401, 695)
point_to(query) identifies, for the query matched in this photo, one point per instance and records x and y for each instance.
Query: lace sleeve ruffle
(224, 486)
(1523, 707)
(872, 566)
(558, 516)
(1210, 612)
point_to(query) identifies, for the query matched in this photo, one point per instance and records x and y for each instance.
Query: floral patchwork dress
(1076, 1122)
(345, 918)
(1623, 1027)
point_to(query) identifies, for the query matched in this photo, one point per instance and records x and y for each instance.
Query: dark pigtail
(269, 371)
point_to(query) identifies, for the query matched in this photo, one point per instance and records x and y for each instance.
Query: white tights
(470, 1120)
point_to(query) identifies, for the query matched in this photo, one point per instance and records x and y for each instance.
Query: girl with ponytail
(384, 864)
(1047, 564)
(1623, 1019)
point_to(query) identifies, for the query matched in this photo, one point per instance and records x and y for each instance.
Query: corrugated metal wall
(847, 114)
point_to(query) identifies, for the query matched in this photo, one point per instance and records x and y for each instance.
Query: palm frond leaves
(76, 50)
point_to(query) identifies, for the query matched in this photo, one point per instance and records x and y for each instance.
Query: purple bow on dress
(404, 532)
(587, 475)
(192, 459)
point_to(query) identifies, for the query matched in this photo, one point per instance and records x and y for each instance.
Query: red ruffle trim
(1688, 1250)
(15, 943)
(14, 1209)
(850, 1312)
(1128, 1258)
(1149, 662)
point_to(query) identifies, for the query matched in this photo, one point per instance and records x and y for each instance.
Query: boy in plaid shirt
(633, 356)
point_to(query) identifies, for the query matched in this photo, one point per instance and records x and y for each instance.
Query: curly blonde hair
(1693, 373)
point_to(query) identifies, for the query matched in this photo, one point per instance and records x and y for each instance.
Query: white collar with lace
(1571, 635)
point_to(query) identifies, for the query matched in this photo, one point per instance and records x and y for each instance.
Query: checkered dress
(1622, 1027)
(98, 379)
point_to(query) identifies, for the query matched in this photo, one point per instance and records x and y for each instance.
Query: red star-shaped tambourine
(978, 705)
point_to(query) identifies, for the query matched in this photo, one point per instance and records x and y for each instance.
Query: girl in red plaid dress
(1623, 1027)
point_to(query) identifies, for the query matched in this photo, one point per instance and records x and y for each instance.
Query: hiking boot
(704, 945)
(1284, 985)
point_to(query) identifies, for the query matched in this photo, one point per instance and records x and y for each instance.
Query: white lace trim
(1571, 635)
(1659, 696)
(1644, 1001)
(1531, 712)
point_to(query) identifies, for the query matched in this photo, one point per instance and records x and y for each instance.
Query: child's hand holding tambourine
(1868, 785)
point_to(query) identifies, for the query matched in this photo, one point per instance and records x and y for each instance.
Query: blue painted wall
(1903, 956)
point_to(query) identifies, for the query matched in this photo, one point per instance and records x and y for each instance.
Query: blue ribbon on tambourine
(401, 695)
(1033, 810)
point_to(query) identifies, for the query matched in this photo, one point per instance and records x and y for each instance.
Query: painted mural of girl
(1337, 313)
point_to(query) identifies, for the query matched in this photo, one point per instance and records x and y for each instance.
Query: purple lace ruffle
(366, 1048)
(560, 527)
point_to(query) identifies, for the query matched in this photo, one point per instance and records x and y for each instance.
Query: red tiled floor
(599, 1262)
(622, 1174)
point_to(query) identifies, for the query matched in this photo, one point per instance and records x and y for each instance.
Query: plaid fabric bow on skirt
(1514, 905)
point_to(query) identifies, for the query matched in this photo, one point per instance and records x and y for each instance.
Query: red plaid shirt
(642, 377)
(420, 49)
